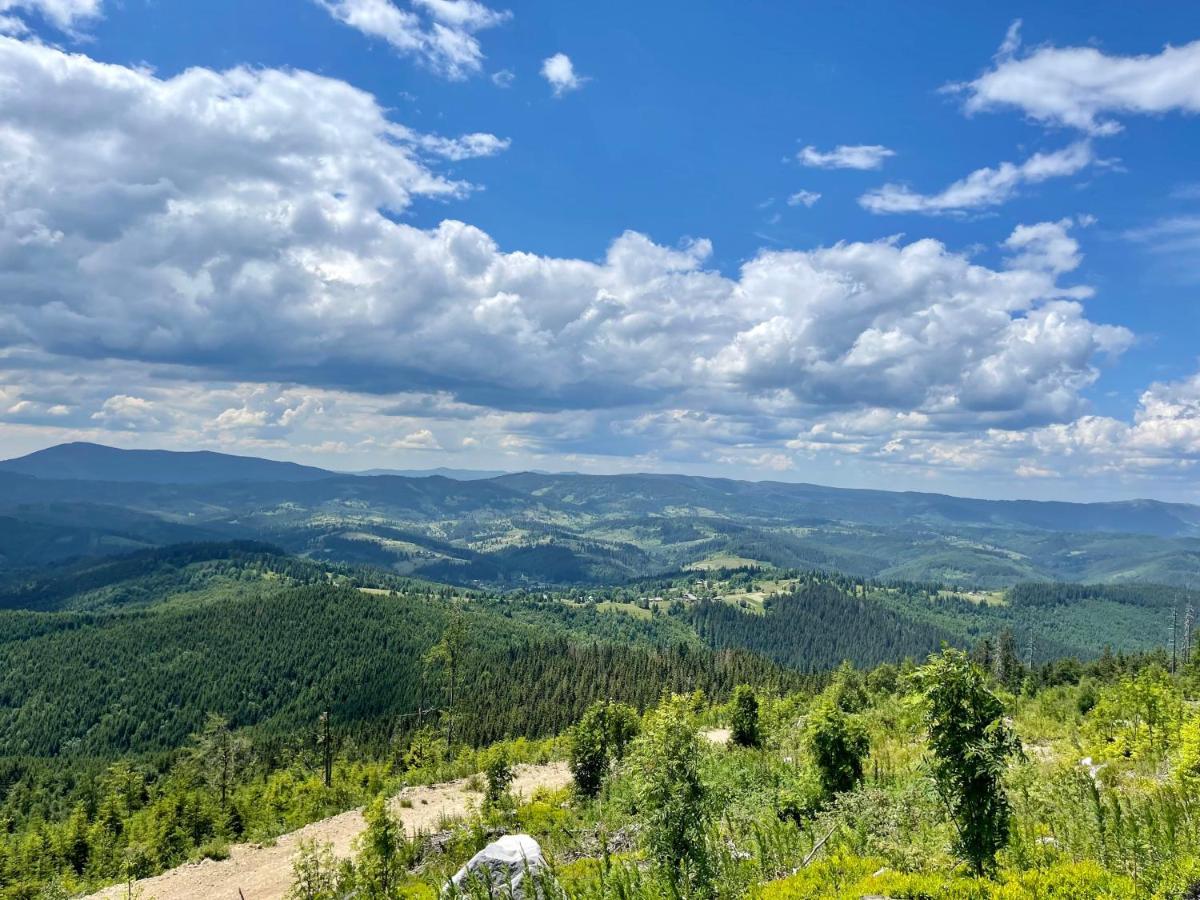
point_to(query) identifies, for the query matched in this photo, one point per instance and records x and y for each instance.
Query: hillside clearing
(265, 873)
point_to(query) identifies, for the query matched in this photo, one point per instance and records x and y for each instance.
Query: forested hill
(95, 462)
(535, 529)
(137, 651)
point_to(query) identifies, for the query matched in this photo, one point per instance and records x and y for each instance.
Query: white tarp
(510, 866)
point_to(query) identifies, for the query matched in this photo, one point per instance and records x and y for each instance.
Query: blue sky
(861, 245)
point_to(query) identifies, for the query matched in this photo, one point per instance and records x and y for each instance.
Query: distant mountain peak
(82, 461)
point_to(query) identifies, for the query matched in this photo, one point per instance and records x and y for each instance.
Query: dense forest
(127, 681)
(816, 627)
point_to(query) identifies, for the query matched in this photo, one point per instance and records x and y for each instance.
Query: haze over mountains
(86, 499)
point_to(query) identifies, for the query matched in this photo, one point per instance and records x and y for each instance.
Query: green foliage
(744, 724)
(848, 691)
(219, 755)
(815, 628)
(624, 723)
(971, 744)
(853, 878)
(499, 774)
(839, 743)
(671, 798)
(1137, 717)
(1188, 765)
(602, 735)
(316, 874)
(588, 743)
(384, 854)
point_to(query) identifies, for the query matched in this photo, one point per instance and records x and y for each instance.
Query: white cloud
(504, 78)
(467, 15)
(66, 15)
(1081, 87)
(417, 440)
(559, 71)
(1047, 246)
(125, 413)
(803, 198)
(983, 187)
(469, 146)
(858, 156)
(225, 247)
(444, 38)
(225, 222)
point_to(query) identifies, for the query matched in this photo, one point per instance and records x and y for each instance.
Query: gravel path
(265, 873)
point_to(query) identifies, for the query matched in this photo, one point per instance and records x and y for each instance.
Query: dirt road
(265, 873)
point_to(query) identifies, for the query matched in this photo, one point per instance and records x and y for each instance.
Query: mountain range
(543, 528)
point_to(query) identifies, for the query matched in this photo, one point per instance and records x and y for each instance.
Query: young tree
(601, 735)
(499, 774)
(315, 873)
(325, 741)
(1138, 716)
(883, 679)
(447, 654)
(848, 689)
(1188, 762)
(381, 853)
(744, 731)
(219, 755)
(1007, 664)
(623, 726)
(971, 743)
(588, 749)
(838, 742)
(671, 797)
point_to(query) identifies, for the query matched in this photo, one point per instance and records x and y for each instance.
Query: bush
(839, 744)
(589, 750)
(671, 798)
(602, 734)
(971, 743)
(744, 731)
(850, 878)
(499, 775)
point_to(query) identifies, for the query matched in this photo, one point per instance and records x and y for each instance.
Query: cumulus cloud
(1160, 446)
(1083, 87)
(560, 72)
(66, 15)
(230, 248)
(216, 220)
(857, 156)
(417, 440)
(983, 187)
(126, 413)
(442, 34)
(803, 198)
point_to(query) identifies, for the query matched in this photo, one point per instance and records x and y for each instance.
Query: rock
(512, 866)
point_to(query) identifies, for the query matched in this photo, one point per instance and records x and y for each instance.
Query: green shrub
(499, 774)
(839, 744)
(744, 731)
(671, 797)
(971, 743)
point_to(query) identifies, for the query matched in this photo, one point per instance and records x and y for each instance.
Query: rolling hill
(530, 529)
(96, 462)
